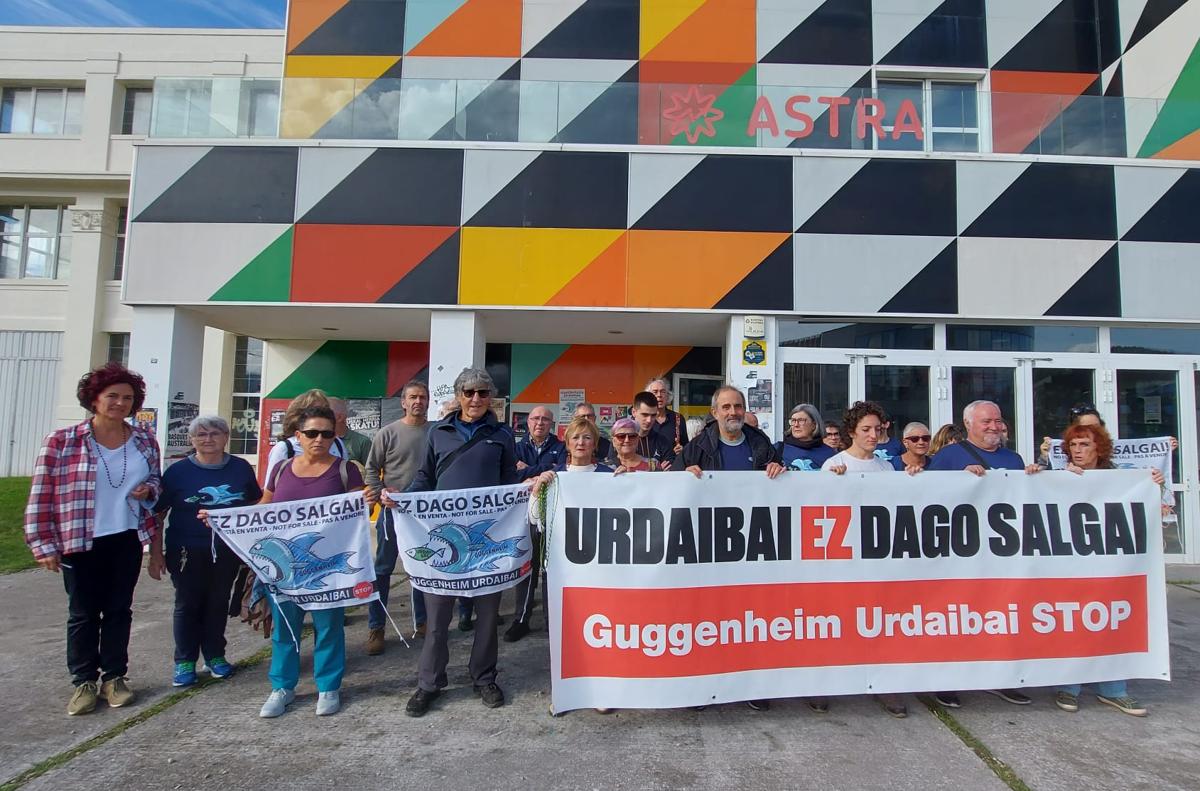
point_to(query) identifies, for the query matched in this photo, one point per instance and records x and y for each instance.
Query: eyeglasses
(538, 419)
(918, 438)
(471, 393)
(798, 420)
(624, 437)
(313, 433)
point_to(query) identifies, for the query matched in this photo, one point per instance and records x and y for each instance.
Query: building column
(167, 349)
(456, 341)
(216, 389)
(83, 347)
(750, 348)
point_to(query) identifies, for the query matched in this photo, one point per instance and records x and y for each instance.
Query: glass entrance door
(994, 382)
(903, 390)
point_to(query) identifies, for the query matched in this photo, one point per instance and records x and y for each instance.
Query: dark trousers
(202, 588)
(435, 654)
(526, 589)
(100, 585)
(387, 554)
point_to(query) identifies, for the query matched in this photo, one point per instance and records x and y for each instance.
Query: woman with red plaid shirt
(89, 513)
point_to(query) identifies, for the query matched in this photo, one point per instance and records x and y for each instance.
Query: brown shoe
(83, 700)
(117, 692)
(419, 632)
(375, 642)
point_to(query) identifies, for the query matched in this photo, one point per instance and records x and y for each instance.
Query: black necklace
(124, 459)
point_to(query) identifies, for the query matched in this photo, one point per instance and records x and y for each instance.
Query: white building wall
(90, 173)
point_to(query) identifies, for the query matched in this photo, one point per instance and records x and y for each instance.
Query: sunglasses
(470, 393)
(918, 438)
(1084, 409)
(624, 437)
(313, 433)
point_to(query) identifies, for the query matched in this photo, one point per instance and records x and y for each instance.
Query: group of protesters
(98, 499)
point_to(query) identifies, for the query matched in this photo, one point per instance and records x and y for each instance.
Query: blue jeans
(387, 553)
(1108, 689)
(329, 647)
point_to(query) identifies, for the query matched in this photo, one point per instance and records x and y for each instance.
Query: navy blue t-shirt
(188, 486)
(805, 459)
(737, 457)
(893, 448)
(956, 457)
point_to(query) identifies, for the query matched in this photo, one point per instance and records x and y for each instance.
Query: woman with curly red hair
(1089, 447)
(89, 514)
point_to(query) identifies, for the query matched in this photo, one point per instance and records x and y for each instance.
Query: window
(41, 111)
(946, 110)
(184, 109)
(35, 241)
(247, 387)
(1138, 340)
(118, 348)
(262, 119)
(136, 118)
(981, 338)
(119, 253)
(855, 336)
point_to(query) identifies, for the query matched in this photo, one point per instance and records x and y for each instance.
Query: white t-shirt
(279, 452)
(854, 464)
(116, 511)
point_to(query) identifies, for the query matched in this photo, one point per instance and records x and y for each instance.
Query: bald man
(541, 449)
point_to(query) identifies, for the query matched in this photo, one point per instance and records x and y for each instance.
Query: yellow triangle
(661, 17)
(525, 266)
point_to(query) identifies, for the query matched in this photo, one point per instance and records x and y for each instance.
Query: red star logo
(693, 114)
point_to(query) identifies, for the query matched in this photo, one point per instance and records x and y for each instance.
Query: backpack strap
(273, 479)
(291, 449)
(344, 474)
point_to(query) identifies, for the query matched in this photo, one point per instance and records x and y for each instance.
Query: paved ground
(214, 738)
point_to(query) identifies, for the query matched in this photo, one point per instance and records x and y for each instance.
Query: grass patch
(55, 761)
(1001, 769)
(14, 555)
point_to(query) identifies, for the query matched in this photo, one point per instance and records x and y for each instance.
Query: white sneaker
(277, 703)
(328, 703)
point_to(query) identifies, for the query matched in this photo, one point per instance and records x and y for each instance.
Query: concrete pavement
(214, 737)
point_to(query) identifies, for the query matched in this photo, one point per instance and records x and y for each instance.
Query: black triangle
(821, 137)
(1116, 86)
(397, 186)
(867, 203)
(1096, 293)
(563, 189)
(612, 117)
(434, 281)
(232, 184)
(1053, 200)
(1065, 40)
(767, 287)
(361, 27)
(838, 32)
(932, 290)
(492, 115)
(953, 35)
(1173, 217)
(1153, 15)
(605, 29)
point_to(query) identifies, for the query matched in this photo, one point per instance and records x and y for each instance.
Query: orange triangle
(370, 259)
(611, 374)
(1187, 147)
(720, 31)
(601, 283)
(479, 29)
(702, 266)
(305, 16)
(1025, 102)
(651, 362)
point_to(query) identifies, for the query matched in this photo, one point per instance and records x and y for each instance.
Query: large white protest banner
(465, 542)
(669, 591)
(316, 553)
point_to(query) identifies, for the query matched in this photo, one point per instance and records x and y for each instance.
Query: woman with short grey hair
(202, 568)
(803, 447)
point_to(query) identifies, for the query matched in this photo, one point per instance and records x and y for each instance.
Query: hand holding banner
(466, 542)
(316, 553)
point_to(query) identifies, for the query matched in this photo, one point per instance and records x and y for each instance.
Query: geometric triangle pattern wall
(773, 233)
(1110, 77)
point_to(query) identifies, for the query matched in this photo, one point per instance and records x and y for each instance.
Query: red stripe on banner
(663, 630)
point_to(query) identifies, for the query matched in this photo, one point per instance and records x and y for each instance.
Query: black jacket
(552, 453)
(675, 423)
(491, 461)
(705, 450)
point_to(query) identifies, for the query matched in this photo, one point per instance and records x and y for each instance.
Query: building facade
(921, 202)
(73, 105)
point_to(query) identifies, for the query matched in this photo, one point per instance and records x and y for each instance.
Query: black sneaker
(491, 694)
(819, 705)
(948, 700)
(419, 703)
(893, 705)
(759, 705)
(1013, 696)
(465, 623)
(515, 632)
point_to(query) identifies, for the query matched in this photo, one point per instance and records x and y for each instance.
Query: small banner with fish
(465, 542)
(316, 553)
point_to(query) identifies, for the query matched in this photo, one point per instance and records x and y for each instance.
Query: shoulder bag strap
(275, 473)
(970, 449)
(454, 455)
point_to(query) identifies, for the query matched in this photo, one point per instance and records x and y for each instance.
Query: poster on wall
(604, 416)
(180, 415)
(147, 420)
(760, 396)
(519, 425)
(390, 410)
(363, 415)
(568, 401)
(500, 409)
(276, 425)
(754, 353)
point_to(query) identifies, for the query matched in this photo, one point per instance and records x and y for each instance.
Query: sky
(145, 13)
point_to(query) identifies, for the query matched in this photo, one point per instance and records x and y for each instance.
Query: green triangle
(268, 278)
(737, 102)
(1180, 114)
(349, 369)
(529, 360)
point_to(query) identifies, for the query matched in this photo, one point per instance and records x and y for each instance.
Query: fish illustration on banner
(316, 553)
(468, 542)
